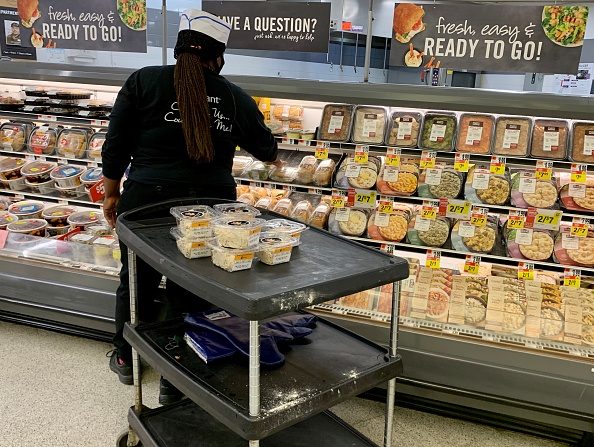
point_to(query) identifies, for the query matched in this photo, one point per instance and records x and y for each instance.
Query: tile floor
(57, 391)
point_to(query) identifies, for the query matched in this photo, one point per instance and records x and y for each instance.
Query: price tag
(578, 173)
(433, 176)
(458, 209)
(393, 157)
(466, 229)
(480, 180)
(428, 159)
(322, 151)
(47, 118)
(478, 216)
(462, 162)
(391, 174)
(527, 182)
(524, 236)
(429, 211)
(579, 227)
(572, 278)
(547, 219)
(352, 170)
(497, 165)
(526, 271)
(99, 123)
(338, 199)
(361, 154)
(544, 170)
(433, 259)
(365, 198)
(97, 191)
(516, 220)
(472, 264)
(385, 206)
(342, 214)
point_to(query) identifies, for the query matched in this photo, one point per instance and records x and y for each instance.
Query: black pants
(137, 194)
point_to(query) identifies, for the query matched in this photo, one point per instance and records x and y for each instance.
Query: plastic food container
(67, 176)
(72, 143)
(99, 230)
(323, 175)
(286, 227)
(10, 168)
(266, 203)
(11, 100)
(540, 249)
(6, 218)
(403, 129)
(56, 231)
(582, 142)
(306, 170)
(13, 136)
(283, 174)
(43, 140)
(232, 259)
(237, 232)
(284, 112)
(57, 216)
(82, 249)
(42, 188)
(237, 210)
(480, 240)
(357, 175)
(319, 217)
(96, 145)
(275, 248)
(402, 181)
(354, 224)
(444, 181)
(4, 203)
(336, 122)
(83, 219)
(495, 192)
(38, 171)
(544, 195)
(27, 209)
(512, 136)
(302, 211)
(247, 198)
(32, 227)
(91, 176)
(258, 170)
(549, 139)
(475, 133)
(307, 135)
(392, 227)
(284, 207)
(102, 248)
(71, 191)
(191, 247)
(435, 236)
(17, 184)
(582, 256)
(575, 203)
(369, 125)
(194, 221)
(439, 131)
(239, 165)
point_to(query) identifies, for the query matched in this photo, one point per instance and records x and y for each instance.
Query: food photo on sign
(511, 38)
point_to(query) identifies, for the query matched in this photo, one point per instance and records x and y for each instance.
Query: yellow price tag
(458, 209)
(337, 201)
(544, 170)
(433, 260)
(547, 218)
(462, 162)
(497, 165)
(237, 148)
(385, 206)
(393, 157)
(579, 230)
(571, 281)
(365, 199)
(516, 220)
(472, 264)
(321, 153)
(428, 159)
(526, 271)
(361, 154)
(429, 212)
(578, 173)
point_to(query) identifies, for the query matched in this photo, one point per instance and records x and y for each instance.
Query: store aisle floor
(57, 391)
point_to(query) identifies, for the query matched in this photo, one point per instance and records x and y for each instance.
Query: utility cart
(234, 403)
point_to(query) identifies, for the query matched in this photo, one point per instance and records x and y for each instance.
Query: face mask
(220, 64)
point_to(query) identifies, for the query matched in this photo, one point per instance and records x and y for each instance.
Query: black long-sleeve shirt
(145, 130)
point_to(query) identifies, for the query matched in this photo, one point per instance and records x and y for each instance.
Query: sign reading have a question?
(275, 26)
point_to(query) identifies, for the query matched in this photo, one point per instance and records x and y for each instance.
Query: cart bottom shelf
(184, 424)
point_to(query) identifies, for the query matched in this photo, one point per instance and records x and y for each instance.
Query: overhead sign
(502, 37)
(275, 26)
(107, 25)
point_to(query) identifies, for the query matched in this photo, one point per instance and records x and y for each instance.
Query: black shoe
(121, 367)
(168, 394)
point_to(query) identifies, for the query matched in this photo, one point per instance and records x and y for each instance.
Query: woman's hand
(110, 206)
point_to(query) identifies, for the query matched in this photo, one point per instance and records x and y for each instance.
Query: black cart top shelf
(322, 268)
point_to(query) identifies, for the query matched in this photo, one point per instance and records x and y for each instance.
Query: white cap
(205, 23)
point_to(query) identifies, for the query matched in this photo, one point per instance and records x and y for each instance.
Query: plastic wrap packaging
(549, 139)
(584, 204)
(284, 207)
(27, 209)
(439, 132)
(194, 221)
(369, 126)
(248, 198)
(13, 136)
(266, 203)
(475, 134)
(540, 249)
(512, 136)
(355, 224)
(236, 232)
(240, 163)
(436, 235)
(392, 227)
(72, 143)
(91, 176)
(404, 129)
(283, 174)
(10, 168)
(582, 143)
(402, 181)
(302, 211)
(319, 216)
(284, 112)
(285, 227)
(544, 196)
(443, 181)
(57, 216)
(258, 170)
(32, 227)
(306, 170)
(336, 123)
(96, 145)
(581, 255)
(358, 175)
(476, 239)
(323, 174)
(43, 139)
(497, 189)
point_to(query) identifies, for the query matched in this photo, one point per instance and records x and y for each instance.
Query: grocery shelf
(285, 186)
(186, 425)
(22, 195)
(54, 158)
(49, 118)
(332, 366)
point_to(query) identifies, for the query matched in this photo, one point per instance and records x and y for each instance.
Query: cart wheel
(123, 440)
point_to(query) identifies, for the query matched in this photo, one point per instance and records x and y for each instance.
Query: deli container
(71, 192)
(544, 196)
(582, 142)
(550, 139)
(190, 247)
(72, 143)
(13, 136)
(401, 181)
(42, 188)
(283, 174)
(82, 248)
(319, 216)
(38, 171)
(10, 168)
(436, 234)
(285, 112)
(82, 219)
(354, 223)
(389, 227)
(32, 227)
(358, 175)
(99, 230)
(439, 132)
(287, 227)
(443, 181)
(512, 136)
(302, 211)
(258, 170)
(194, 221)
(233, 259)
(539, 249)
(475, 133)
(275, 248)
(17, 184)
(495, 192)
(43, 139)
(240, 163)
(102, 249)
(57, 216)
(583, 204)
(67, 176)
(91, 176)
(283, 207)
(580, 256)
(27, 209)
(479, 240)
(237, 232)
(323, 175)
(247, 198)
(404, 129)
(57, 231)
(96, 145)
(6, 218)
(369, 126)
(70, 94)
(4, 203)
(337, 120)
(36, 92)
(237, 210)
(11, 100)
(306, 170)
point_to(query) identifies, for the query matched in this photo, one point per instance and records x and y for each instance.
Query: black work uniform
(145, 131)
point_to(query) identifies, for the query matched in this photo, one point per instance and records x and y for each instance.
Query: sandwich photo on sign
(408, 21)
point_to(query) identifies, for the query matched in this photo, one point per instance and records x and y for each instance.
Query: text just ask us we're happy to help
(495, 41)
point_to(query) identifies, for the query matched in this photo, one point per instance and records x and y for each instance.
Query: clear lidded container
(10, 168)
(237, 209)
(32, 227)
(285, 226)
(239, 164)
(337, 120)
(91, 176)
(38, 171)
(190, 247)
(43, 139)
(67, 176)
(439, 132)
(72, 143)
(27, 209)
(6, 218)
(13, 136)
(475, 133)
(549, 139)
(232, 259)
(194, 220)
(57, 216)
(83, 219)
(96, 145)
(404, 129)
(512, 136)
(369, 125)
(275, 248)
(237, 231)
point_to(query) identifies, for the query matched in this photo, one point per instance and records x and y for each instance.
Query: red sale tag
(97, 192)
